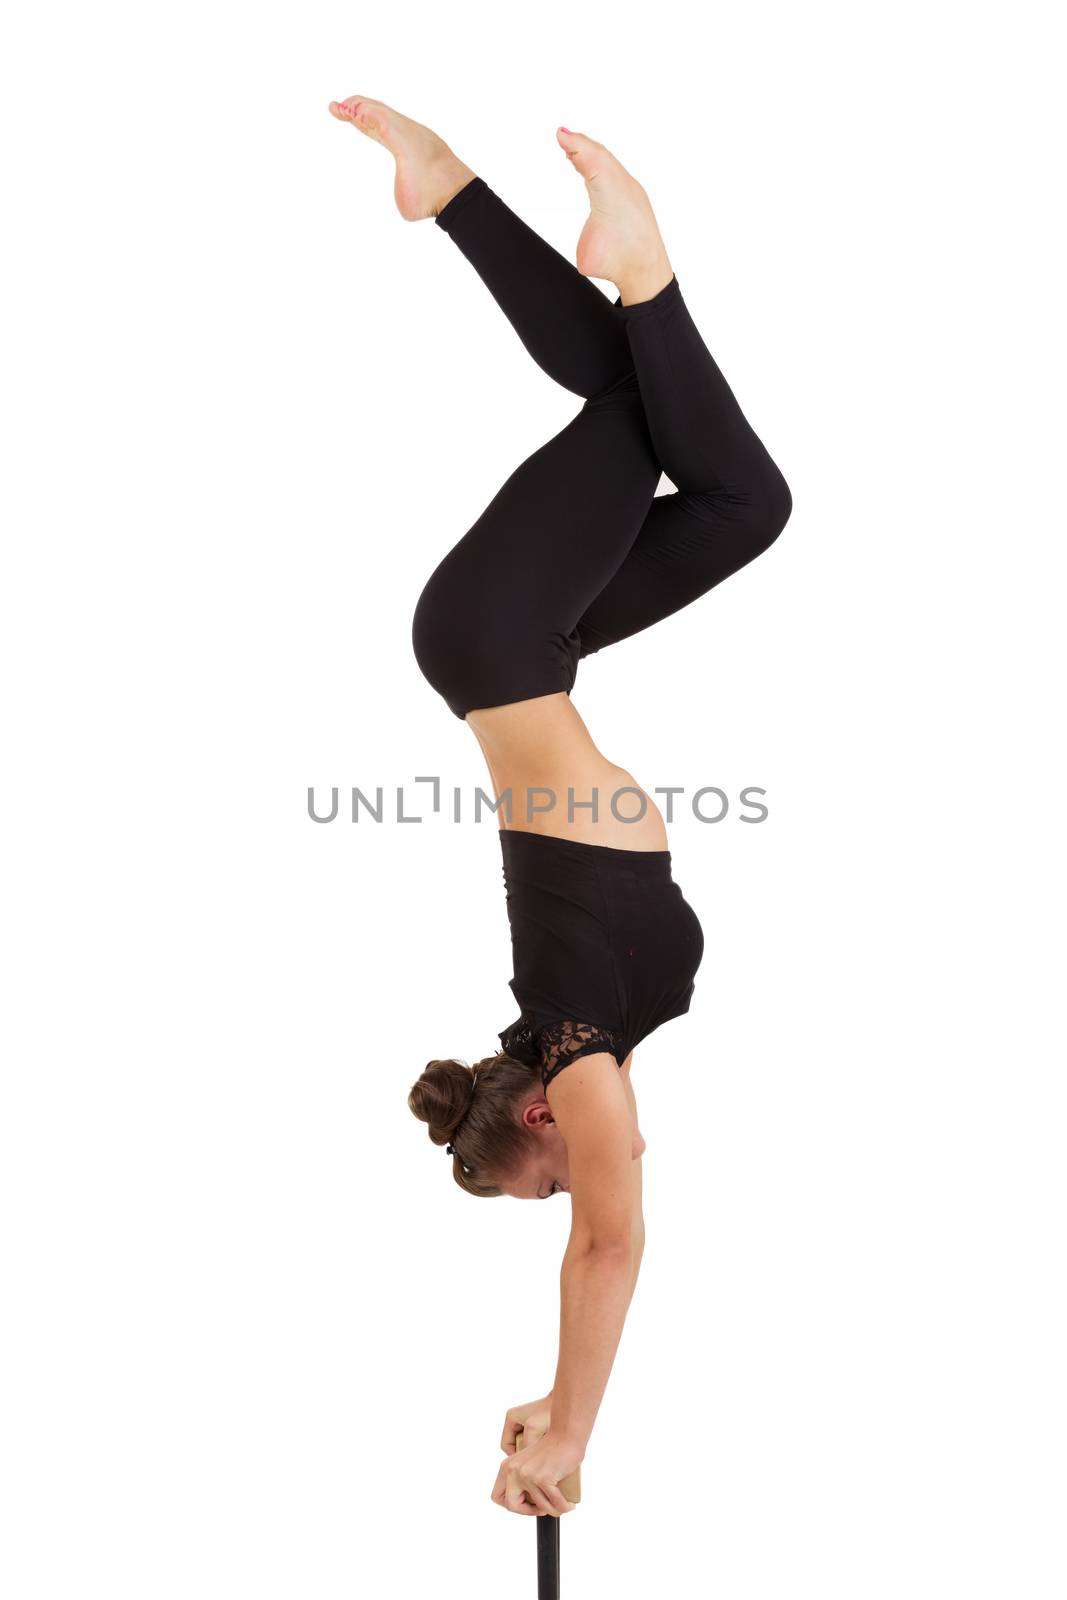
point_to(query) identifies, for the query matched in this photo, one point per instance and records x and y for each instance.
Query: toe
(584, 154)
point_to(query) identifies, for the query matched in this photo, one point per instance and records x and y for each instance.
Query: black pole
(548, 1558)
(548, 1534)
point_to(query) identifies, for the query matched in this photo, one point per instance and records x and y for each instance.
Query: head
(503, 1134)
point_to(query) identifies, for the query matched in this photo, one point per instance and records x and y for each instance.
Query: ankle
(644, 280)
(455, 175)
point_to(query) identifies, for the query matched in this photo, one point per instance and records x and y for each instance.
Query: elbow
(602, 1247)
(615, 1249)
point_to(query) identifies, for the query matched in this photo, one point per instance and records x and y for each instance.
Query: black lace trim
(518, 1042)
(556, 1044)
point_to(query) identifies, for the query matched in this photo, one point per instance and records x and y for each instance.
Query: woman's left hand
(528, 1481)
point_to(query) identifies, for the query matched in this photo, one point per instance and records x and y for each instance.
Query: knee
(770, 504)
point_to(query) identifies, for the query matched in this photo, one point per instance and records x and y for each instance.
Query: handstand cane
(548, 1534)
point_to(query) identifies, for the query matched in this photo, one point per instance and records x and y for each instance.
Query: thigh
(688, 543)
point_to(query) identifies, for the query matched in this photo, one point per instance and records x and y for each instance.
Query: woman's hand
(528, 1480)
(532, 1420)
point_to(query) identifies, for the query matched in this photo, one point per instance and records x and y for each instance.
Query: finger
(515, 1494)
(561, 1505)
(511, 1431)
(542, 1505)
(524, 1484)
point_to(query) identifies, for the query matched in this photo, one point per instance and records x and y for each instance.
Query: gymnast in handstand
(574, 553)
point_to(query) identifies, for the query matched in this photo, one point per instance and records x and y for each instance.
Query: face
(546, 1170)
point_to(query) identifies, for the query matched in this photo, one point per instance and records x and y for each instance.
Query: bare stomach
(540, 753)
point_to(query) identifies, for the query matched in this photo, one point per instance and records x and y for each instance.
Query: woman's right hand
(532, 1419)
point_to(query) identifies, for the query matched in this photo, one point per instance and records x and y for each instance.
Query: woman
(573, 554)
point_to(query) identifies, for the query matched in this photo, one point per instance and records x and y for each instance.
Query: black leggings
(577, 551)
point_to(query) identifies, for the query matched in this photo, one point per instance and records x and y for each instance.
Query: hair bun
(442, 1097)
(491, 1138)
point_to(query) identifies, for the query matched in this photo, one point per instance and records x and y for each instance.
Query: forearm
(635, 1268)
(596, 1287)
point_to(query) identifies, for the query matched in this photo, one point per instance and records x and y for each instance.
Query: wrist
(569, 1439)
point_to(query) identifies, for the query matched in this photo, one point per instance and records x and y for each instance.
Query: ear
(537, 1113)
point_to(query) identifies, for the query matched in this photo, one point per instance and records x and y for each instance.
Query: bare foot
(428, 173)
(621, 240)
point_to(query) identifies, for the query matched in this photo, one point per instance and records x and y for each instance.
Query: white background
(255, 1340)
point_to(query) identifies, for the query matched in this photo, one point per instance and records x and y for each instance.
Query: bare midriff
(541, 751)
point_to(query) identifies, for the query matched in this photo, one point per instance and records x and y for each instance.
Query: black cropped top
(604, 948)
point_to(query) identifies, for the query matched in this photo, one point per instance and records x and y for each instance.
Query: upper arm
(638, 1216)
(591, 1107)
